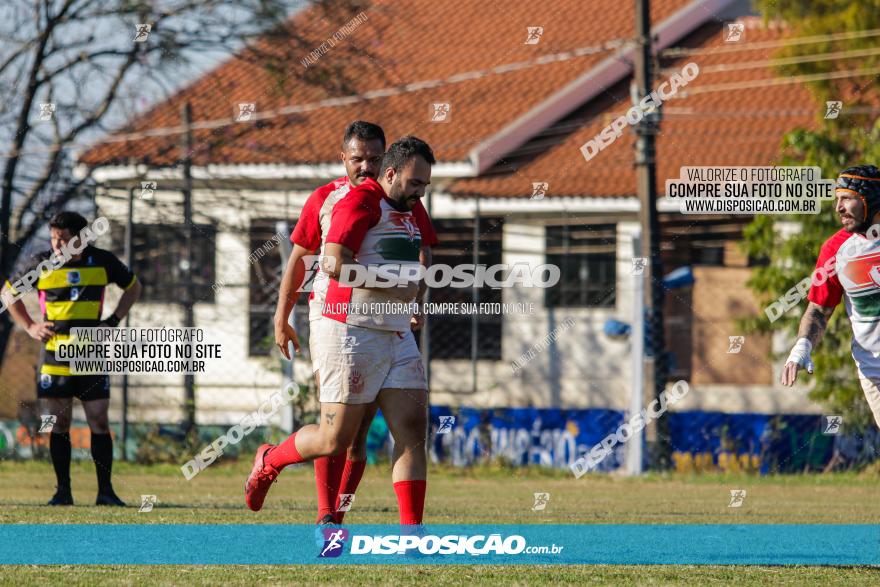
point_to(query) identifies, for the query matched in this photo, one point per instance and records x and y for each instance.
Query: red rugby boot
(260, 480)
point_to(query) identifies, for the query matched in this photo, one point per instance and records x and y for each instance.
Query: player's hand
(417, 321)
(790, 373)
(799, 358)
(41, 331)
(284, 334)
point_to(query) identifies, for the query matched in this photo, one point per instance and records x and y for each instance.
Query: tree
(851, 139)
(70, 70)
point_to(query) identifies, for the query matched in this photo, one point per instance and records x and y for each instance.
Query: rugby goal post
(634, 447)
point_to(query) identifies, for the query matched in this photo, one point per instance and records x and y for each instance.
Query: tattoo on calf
(330, 418)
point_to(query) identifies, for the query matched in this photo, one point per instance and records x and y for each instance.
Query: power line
(789, 41)
(776, 81)
(767, 63)
(516, 66)
(348, 100)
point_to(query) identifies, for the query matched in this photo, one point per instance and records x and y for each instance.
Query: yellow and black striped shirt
(72, 296)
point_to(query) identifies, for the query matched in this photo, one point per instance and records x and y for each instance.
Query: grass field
(454, 496)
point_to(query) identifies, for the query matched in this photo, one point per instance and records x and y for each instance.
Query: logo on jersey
(860, 278)
(874, 274)
(334, 541)
(862, 272)
(45, 381)
(73, 277)
(405, 221)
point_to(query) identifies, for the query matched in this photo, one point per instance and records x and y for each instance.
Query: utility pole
(655, 359)
(187, 262)
(129, 262)
(475, 299)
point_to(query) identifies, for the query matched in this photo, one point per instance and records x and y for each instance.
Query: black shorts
(84, 387)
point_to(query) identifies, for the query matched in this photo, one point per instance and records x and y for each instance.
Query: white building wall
(581, 368)
(241, 383)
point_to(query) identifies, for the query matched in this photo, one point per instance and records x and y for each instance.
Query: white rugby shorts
(354, 363)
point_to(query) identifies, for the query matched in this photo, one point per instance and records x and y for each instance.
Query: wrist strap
(800, 353)
(113, 320)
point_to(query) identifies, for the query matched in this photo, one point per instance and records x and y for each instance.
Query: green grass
(454, 496)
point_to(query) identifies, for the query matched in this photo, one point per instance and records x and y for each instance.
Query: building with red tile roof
(519, 113)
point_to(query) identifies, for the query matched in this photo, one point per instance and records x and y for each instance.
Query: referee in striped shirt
(72, 296)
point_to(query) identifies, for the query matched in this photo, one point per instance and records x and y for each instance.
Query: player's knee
(61, 425)
(413, 434)
(99, 425)
(335, 443)
(416, 425)
(358, 447)
(357, 452)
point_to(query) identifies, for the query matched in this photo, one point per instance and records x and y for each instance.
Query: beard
(396, 195)
(852, 226)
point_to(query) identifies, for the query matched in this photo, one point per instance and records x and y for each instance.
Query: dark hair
(404, 149)
(72, 221)
(365, 131)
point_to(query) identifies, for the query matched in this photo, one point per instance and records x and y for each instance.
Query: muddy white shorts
(872, 394)
(353, 363)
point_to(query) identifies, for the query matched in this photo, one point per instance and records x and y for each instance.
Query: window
(157, 253)
(265, 241)
(451, 333)
(587, 258)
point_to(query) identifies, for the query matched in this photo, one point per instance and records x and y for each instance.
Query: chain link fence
(535, 379)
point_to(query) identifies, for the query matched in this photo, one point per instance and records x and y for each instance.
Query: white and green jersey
(378, 234)
(314, 224)
(855, 279)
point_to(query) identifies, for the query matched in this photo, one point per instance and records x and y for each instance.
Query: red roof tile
(408, 41)
(706, 125)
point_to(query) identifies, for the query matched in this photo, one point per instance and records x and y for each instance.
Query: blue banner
(701, 441)
(619, 544)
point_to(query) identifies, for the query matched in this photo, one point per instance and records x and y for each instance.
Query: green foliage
(793, 257)
(833, 146)
(827, 17)
(166, 444)
(159, 446)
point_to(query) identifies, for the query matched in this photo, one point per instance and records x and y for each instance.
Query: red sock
(284, 454)
(411, 500)
(351, 477)
(328, 475)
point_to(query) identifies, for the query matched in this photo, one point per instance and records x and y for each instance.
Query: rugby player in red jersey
(362, 148)
(365, 355)
(853, 253)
